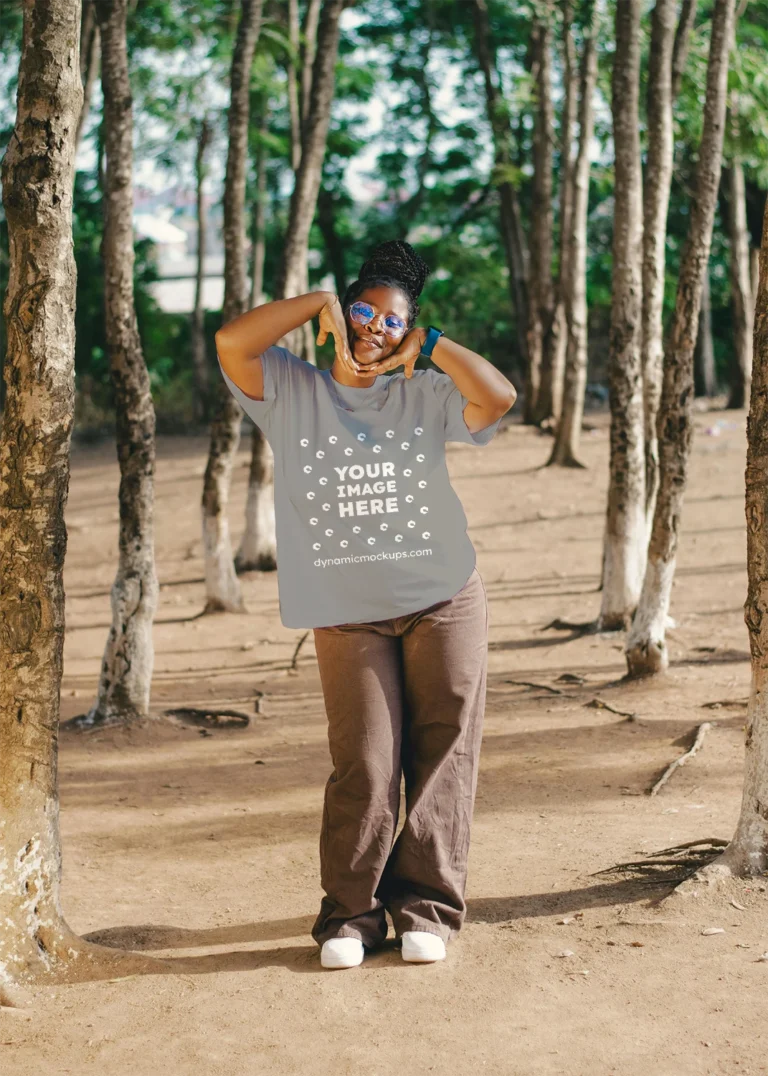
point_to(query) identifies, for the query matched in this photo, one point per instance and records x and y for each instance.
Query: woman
(373, 555)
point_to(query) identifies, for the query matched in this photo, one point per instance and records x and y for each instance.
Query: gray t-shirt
(368, 525)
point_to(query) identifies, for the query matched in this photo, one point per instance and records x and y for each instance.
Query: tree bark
(292, 273)
(542, 338)
(625, 531)
(326, 219)
(293, 88)
(259, 216)
(741, 288)
(199, 359)
(656, 191)
(646, 646)
(90, 58)
(568, 121)
(307, 53)
(126, 669)
(704, 358)
(222, 587)
(567, 438)
(39, 308)
(512, 235)
(747, 853)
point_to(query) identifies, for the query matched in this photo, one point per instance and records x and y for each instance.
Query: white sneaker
(421, 947)
(342, 953)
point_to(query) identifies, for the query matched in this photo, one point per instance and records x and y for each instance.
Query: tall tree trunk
(259, 215)
(656, 191)
(126, 668)
(541, 328)
(567, 438)
(293, 88)
(90, 58)
(512, 234)
(625, 530)
(307, 53)
(257, 547)
(37, 179)
(326, 219)
(222, 587)
(741, 288)
(568, 121)
(646, 647)
(199, 358)
(747, 853)
(704, 357)
(291, 276)
(37, 173)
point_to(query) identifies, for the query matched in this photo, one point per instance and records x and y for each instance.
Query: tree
(668, 51)
(512, 233)
(542, 336)
(37, 182)
(199, 361)
(747, 852)
(222, 587)
(646, 649)
(90, 58)
(126, 670)
(574, 272)
(625, 531)
(258, 544)
(740, 370)
(704, 357)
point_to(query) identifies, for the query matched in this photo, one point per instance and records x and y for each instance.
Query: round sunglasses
(363, 313)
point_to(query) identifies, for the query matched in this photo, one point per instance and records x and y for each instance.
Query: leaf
(712, 930)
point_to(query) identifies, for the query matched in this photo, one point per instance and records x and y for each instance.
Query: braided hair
(394, 264)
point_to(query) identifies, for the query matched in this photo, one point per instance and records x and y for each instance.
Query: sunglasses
(363, 313)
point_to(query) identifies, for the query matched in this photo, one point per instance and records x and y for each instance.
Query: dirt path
(203, 848)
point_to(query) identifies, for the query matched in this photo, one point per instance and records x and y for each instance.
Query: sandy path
(203, 849)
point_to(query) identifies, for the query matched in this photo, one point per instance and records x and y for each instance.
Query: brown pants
(403, 696)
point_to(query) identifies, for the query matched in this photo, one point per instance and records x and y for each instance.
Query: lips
(369, 344)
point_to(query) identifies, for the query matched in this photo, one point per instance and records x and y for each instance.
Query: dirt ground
(202, 848)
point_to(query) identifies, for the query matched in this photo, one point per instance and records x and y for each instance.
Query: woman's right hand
(332, 321)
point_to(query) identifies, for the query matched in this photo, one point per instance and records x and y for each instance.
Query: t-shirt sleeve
(277, 364)
(453, 403)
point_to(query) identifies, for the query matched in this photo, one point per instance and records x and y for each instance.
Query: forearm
(251, 333)
(474, 376)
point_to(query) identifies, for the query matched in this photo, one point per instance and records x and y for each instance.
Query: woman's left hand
(405, 355)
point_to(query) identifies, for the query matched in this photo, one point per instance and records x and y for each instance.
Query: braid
(394, 264)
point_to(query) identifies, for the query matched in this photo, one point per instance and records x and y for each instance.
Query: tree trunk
(307, 53)
(259, 215)
(293, 88)
(326, 219)
(90, 57)
(567, 124)
(199, 359)
(741, 288)
(39, 309)
(566, 449)
(257, 547)
(512, 234)
(646, 647)
(292, 273)
(541, 328)
(704, 358)
(625, 530)
(656, 191)
(126, 669)
(747, 854)
(222, 587)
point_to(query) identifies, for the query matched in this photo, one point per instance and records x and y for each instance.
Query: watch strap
(433, 335)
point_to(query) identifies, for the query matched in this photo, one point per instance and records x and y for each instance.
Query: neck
(338, 373)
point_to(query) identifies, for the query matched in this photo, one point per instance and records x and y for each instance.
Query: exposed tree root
(688, 858)
(599, 704)
(701, 732)
(587, 627)
(211, 719)
(293, 667)
(539, 687)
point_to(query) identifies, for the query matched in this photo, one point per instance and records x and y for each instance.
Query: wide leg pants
(403, 697)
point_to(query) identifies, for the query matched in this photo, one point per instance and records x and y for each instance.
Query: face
(370, 343)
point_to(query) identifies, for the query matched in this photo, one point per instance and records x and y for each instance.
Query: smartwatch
(433, 335)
